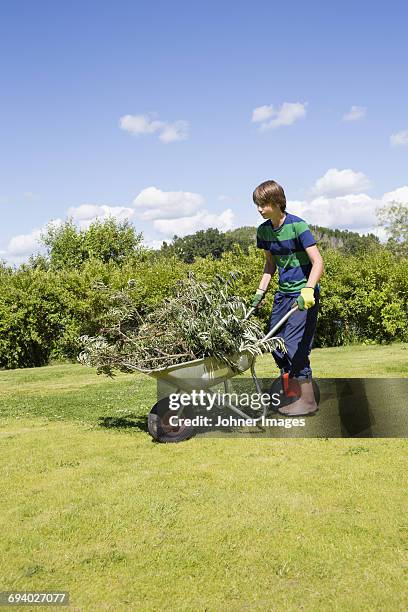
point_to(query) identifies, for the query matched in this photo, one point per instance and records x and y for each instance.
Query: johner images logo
(202, 405)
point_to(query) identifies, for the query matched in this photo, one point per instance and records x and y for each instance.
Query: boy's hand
(306, 298)
(258, 297)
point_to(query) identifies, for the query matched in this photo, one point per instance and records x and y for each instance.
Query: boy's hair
(270, 192)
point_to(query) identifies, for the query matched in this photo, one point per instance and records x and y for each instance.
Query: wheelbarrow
(208, 373)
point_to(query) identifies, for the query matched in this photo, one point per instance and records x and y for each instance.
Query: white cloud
(341, 182)
(398, 195)
(399, 139)
(201, 220)
(29, 195)
(353, 211)
(224, 198)
(287, 114)
(175, 131)
(140, 124)
(24, 244)
(149, 124)
(152, 244)
(337, 203)
(85, 214)
(262, 113)
(179, 212)
(20, 247)
(355, 113)
(154, 203)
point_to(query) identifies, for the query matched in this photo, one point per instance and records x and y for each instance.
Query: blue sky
(184, 79)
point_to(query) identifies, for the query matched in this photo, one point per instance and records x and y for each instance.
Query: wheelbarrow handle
(279, 323)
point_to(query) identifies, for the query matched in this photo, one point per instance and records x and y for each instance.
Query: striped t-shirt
(287, 244)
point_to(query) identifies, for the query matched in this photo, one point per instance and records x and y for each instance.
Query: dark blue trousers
(297, 333)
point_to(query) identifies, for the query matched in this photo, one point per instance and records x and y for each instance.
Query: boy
(289, 246)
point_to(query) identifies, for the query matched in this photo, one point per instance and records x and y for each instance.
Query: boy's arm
(268, 272)
(306, 298)
(317, 266)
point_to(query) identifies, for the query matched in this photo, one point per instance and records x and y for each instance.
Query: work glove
(258, 297)
(306, 298)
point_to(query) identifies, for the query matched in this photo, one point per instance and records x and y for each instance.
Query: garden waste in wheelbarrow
(203, 374)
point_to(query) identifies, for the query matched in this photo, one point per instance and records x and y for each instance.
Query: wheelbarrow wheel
(287, 395)
(159, 426)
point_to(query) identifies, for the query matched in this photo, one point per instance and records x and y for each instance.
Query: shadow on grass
(131, 420)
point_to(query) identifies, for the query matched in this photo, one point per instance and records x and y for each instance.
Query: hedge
(44, 310)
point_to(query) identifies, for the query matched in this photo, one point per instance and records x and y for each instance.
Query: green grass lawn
(356, 361)
(89, 504)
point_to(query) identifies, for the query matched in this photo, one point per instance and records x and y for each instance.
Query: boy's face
(267, 210)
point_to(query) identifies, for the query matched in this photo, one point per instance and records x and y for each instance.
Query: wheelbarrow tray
(203, 373)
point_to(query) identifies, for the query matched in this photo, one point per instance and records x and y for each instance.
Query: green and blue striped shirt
(287, 244)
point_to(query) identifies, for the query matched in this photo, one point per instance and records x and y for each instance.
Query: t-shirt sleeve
(260, 242)
(306, 238)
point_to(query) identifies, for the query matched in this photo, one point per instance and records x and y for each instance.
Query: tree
(215, 243)
(344, 240)
(107, 240)
(393, 218)
(201, 244)
(210, 242)
(111, 240)
(64, 245)
(244, 236)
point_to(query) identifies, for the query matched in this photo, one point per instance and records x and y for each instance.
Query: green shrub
(43, 309)
(363, 298)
